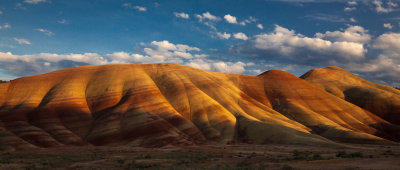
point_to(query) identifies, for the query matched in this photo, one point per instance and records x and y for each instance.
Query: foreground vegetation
(206, 157)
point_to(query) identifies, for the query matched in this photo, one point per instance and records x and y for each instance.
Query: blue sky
(241, 36)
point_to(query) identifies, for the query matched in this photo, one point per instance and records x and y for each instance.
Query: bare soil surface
(241, 156)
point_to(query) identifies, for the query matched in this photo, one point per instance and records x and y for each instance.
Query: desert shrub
(341, 154)
(243, 163)
(388, 152)
(120, 160)
(147, 157)
(287, 167)
(297, 155)
(317, 157)
(356, 155)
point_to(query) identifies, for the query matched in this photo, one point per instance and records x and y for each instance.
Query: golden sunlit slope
(163, 104)
(379, 99)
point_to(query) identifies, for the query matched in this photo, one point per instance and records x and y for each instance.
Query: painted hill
(384, 101)
(170, 104)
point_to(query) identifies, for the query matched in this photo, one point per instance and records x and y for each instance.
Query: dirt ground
(243, 156)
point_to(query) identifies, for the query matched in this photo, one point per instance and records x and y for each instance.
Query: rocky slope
(170, 104)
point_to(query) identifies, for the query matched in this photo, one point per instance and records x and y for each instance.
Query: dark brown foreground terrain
(207, 157)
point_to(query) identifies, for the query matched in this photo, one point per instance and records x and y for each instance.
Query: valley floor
(207, 157)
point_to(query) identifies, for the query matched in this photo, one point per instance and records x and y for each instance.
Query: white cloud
(250, 64)
(288, 43)
(181, 15)
(90, 58)
(256, 71)
(229, 67)
(230, 19)
(248, 21)
(22, 41)
(388, 25)
(200, 64)
(260, 26)
(352, 19)
(34, 1)
(240, 36)
(154, 52)
(348, 9)
(161, 51)
(22, 65)
(138, 8)
(223, 35)
(63, 21)
(219, 66)
(47, 32)
(207, 16)
(380, 6)
(389, 43)
(5, 26)
(352, 2)
(208, 19)
(355, 34)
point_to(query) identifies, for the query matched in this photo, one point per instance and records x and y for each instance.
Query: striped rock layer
(170, 104)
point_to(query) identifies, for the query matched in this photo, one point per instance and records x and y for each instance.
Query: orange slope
(162, 104)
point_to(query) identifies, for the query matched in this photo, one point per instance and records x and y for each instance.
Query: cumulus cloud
(388, 25)
(22, 41)
(218, 66)
(352, 19)
(240, 36)
(248, 21)
(207, 16)
(389, 43)
(34, 1)
(153, 52)
(380, 7)
(200, 64)
(223, 35)
(233, 20)
(47, 32)
(355, 34)
(181, 15)
(161, 51)
(294, 47)
(345, 48)
(208, 19)
(5, 26)
(384, 67)
(230, 67)
(22, 65)
(230, 19)
(381, 69)
(260, 26)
